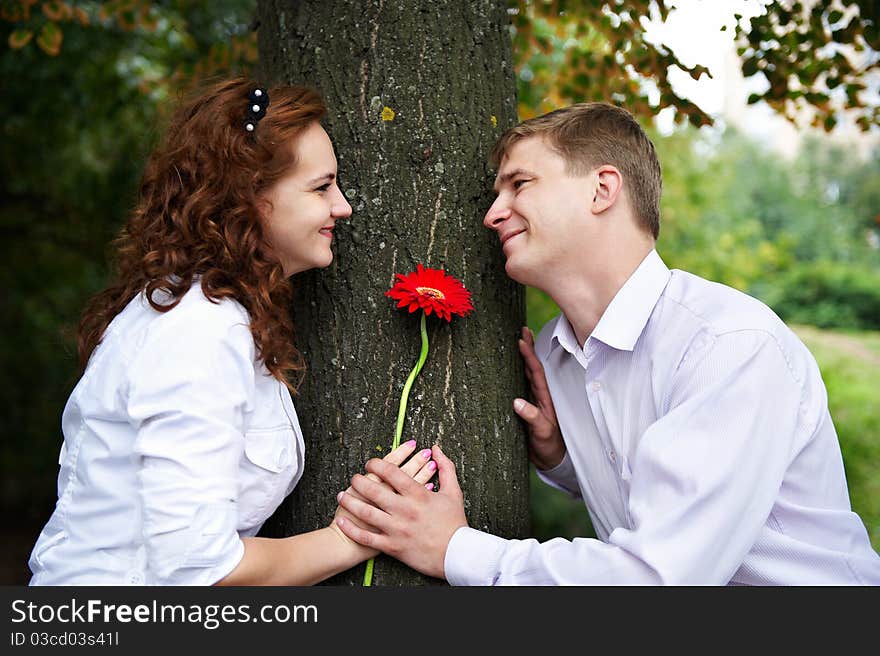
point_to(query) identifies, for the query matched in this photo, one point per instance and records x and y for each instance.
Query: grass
(850, 365)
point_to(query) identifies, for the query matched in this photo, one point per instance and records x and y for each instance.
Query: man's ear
(608, 183)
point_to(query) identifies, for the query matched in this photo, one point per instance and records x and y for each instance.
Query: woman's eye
(323, 187)
(518, 183)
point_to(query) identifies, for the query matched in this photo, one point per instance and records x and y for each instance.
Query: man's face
(541, 211)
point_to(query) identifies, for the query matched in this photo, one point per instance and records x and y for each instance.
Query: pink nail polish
(426, 454)
(339, 496)
(410, 443)
(429, 487)
(432, 465)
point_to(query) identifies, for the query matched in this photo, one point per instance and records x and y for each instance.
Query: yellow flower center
(430, 291)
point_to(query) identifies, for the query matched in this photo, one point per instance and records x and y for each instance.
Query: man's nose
(497, 214)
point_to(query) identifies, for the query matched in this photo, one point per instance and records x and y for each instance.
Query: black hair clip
(258, 100)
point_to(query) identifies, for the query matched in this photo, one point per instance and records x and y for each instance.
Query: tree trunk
(418, 92)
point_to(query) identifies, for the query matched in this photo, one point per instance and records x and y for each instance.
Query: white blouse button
(596, 386)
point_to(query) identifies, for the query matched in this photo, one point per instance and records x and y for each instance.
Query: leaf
(55, 11)
(50, 39)
(20, 38)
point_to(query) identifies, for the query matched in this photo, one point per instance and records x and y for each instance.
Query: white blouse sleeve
(190, 386)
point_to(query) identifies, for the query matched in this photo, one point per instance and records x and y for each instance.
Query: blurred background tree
(86, 85)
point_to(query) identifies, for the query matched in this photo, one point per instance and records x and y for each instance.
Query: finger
(446, 469)
(393, 476)
(414, 465)
(401, 453)
(534, 368)
(381, 495)
(362, 536)
(363, 511)
(537, 378)
(426, 472)
(429, 487)
(532, 415)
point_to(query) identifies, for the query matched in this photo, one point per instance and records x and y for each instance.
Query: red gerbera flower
(433, 291)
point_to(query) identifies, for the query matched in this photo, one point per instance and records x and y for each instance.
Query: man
(691, 421)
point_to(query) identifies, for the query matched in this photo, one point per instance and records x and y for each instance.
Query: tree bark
(418, 92)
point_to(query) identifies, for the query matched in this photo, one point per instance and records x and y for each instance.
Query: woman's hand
(414, 526)
(419, 467)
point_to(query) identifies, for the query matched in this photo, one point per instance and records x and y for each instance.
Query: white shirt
(177, 442)
(698, 435)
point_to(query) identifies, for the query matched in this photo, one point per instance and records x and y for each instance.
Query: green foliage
(555, 514)
(827, 295)
(582, 50)
(75, 136)
(808, 55)
(812, 54)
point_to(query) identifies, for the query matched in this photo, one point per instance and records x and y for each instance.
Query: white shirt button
(596, 386)
(135, 578)
(612, 456)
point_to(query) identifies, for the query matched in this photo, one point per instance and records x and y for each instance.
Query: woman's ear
(608, 184)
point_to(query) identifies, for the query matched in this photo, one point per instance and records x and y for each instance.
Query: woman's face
(305, 205)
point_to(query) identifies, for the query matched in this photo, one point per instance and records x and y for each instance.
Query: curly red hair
(197, 215)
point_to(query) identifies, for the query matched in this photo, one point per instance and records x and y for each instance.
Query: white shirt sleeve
(563, 477)
(190, 386)
(704, 479)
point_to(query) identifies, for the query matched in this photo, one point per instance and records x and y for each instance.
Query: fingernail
(429, 487)
(341, 521)
(432, 465)
(519, 404)
(426, 454)
(410, 443)
(339, 496)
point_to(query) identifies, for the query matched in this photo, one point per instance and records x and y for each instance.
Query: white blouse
(177, 443)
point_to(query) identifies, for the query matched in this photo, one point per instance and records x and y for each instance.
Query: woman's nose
(340, 208)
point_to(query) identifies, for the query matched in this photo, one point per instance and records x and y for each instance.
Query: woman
(180, 439)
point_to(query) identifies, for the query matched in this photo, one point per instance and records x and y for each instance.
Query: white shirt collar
(626, 316)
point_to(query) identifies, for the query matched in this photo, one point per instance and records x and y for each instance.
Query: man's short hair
(589, 135)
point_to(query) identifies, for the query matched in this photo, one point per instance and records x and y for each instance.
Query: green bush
(825, 294)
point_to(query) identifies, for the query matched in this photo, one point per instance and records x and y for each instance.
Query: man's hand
(414, 525)
(546, 448)
(419, 467)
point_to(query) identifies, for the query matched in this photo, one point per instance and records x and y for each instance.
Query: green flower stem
(401, 413)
